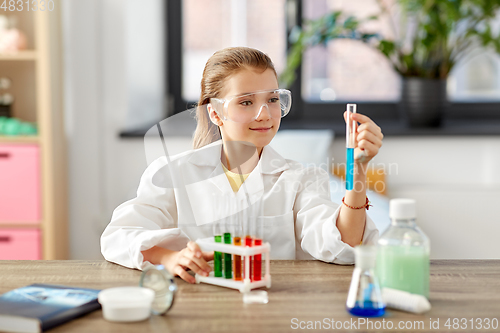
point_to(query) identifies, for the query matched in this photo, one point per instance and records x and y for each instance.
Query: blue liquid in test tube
(350, 136)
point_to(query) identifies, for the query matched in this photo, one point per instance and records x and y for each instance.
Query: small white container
(126, 304)
(256, 297)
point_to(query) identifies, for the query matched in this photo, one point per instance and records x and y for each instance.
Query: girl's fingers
(195, 248)
(369, 136)
(365, 123)
(184, 275)
(361, 118)
(192, 266)
(352, 118)
(369, 148)
(371, 127)
(345, 119)
(200, 262)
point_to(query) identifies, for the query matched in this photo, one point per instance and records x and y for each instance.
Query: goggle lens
(246, 108)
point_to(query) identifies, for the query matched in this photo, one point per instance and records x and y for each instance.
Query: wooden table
(306, 290)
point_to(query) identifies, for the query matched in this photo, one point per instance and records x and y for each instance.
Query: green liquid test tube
(228, 274)
(218, 259)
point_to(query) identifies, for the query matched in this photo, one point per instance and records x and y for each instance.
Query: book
(39, 307)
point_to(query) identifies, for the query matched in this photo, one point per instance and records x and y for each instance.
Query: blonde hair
(221, 65)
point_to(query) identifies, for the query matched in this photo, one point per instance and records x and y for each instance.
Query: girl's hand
(177, 262)
(368, 139)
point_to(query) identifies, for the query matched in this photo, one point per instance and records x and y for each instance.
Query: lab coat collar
(270, 161)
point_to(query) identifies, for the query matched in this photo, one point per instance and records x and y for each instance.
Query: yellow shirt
(235, 179)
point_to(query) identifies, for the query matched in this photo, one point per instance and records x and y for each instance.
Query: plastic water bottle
(403, 251)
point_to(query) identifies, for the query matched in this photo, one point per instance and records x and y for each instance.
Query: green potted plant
(434, 36)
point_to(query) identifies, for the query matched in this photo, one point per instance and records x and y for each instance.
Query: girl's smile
(261, 129)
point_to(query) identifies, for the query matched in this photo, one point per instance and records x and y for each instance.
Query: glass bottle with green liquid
(403, 251)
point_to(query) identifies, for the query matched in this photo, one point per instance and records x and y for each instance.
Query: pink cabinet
(19, 183)
(20, 244)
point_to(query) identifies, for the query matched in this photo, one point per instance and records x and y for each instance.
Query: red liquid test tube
(248, 242)
(257, 262)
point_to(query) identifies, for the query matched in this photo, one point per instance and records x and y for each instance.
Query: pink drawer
(20, 244)
(20, 183)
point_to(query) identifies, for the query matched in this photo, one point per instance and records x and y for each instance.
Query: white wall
(456, 183)
(102, 92)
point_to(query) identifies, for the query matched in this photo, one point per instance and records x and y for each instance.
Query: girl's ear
(214, 117)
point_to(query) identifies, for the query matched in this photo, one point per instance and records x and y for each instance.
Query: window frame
(301, 110)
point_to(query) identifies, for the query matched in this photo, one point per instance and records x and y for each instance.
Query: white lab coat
(299, 218)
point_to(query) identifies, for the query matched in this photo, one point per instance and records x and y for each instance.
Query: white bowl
(126, 304)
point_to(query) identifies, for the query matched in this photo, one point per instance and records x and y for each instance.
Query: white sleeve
(316, 221)
(139, 224)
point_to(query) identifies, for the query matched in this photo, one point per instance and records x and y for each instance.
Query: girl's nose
(264, 113)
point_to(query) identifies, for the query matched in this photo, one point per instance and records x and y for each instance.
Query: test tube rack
(208, 244)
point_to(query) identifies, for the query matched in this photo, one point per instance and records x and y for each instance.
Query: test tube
(217, 230)
(350, 136)
(248, 242)
(217, 255)
(257, 259)
(228, 273)
(236, 217)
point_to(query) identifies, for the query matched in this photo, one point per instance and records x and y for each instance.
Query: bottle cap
(365, 256)
(402, 209)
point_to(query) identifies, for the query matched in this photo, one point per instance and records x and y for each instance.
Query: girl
(243, 106)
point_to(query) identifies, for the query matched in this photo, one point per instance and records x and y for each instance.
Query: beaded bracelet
(366, 205)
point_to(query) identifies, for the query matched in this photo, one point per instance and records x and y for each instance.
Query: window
(344, 71)
(347, 70)
(210, 25)
(477, 78)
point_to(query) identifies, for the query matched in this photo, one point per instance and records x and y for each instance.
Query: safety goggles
(247, 107)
